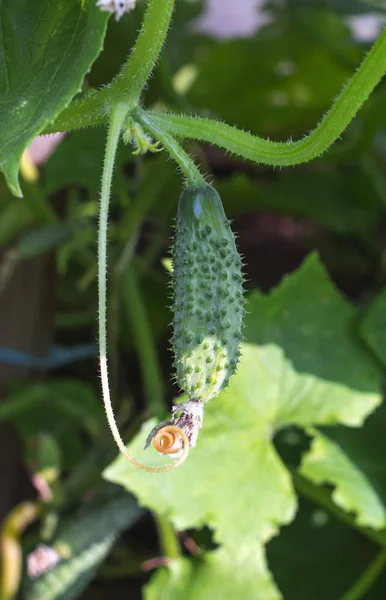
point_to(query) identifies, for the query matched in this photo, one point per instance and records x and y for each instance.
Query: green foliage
(45, 54)
(311, 369)
(353, 463)
(327, 463)
(326, 552)
(343, 201)
(73, 397)
(44, 239)
(288, 73)
(213, 576)
(66, 408)
(285, 494)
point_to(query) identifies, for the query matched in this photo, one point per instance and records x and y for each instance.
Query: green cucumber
(87, 536)
(208, 295)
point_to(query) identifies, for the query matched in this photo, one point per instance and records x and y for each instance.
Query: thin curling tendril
(117, 437)
(169, 440)
(116, 122)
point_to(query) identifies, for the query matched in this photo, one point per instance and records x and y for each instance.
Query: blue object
(58, 356)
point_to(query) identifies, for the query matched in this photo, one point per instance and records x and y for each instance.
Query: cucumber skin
(208, 295)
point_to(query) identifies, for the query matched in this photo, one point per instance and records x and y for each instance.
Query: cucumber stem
(193, 175)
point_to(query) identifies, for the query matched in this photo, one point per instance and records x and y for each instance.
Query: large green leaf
(325, 375)
(233, 481)
(352, 460)
(303, 366)
(46, 48)
(327, 462)
(219, 575)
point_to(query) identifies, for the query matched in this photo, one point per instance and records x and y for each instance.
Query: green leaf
(46, 238)
(219, 574)
(63, 407)
(303, 365)
(73, 397)
(317, 557)
(374, 326)
(16, 216)
(46, 49)
(206, 490)
(352, 460)
(326, 462)
(305, 331)
(45, 453)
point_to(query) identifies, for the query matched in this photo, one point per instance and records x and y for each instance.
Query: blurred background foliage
(276, 83)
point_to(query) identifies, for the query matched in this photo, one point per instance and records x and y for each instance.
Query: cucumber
(208, 295)
(88, 536)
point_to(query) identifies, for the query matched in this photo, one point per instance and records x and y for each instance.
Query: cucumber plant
(207, 280)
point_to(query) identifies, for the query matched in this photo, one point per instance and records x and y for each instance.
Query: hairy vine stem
(259, 150)
(126, 88)
(117, 120)
(87, 111)
(130, 82)
(186, 164)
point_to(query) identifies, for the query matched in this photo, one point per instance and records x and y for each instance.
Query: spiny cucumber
(208, 295)
(87, 537)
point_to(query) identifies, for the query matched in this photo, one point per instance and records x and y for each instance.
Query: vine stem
(186, 164)
(118, 115)
(260, 150)
(11, 567)
(130, 82)
(94, 108)
(244, 144)
(167, 536)
(367, 578)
